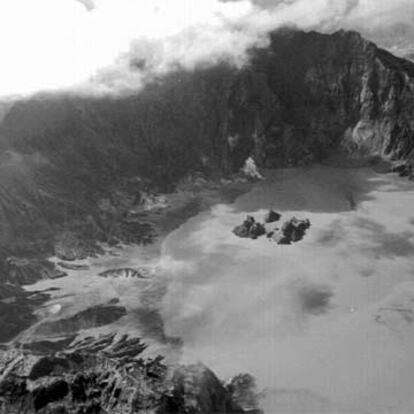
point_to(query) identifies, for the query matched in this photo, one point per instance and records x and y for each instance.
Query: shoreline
(165, 371)
(250, 305)
(187, 205)
(189, 199)
(181, 206)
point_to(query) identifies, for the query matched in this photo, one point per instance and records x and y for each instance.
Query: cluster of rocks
(110, 375)
(292, 230)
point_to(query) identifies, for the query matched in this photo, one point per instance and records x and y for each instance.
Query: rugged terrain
(79, 164)
(108, 375)
(75, 170)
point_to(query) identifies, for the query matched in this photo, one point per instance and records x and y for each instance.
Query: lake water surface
(325, 325)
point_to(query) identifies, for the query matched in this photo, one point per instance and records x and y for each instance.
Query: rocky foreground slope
(109, 375)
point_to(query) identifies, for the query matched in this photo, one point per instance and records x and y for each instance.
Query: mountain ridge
(71, 166)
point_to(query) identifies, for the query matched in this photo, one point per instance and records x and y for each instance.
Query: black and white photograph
(206, 206)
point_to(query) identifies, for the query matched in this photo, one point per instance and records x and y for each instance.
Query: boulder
(244, 229)
(280, 238)
(241, 231)
(250, 229)
(272, 216)
(292, 231)
(249, 221)
(257, 230)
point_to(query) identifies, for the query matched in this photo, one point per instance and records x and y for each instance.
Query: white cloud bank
(61, 44)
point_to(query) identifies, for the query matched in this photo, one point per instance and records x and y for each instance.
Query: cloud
(111, 45)
(89, 4)
(389, 24)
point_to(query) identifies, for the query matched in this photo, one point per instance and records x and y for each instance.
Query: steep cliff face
(308, 93)
(385, 124)
(76, 163)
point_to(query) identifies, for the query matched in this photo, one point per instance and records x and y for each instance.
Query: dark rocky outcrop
(292, 231)
(272, 216)
(91, 376)
(250, 229)
(108, 375)
(257, 230)
(244, 229)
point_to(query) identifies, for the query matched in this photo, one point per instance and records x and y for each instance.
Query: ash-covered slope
(71, 167)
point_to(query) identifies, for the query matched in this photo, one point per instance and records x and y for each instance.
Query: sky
(100, 46)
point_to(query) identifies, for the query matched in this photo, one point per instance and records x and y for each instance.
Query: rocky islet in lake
(291, 231)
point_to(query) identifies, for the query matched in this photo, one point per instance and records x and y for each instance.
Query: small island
(291, 231)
